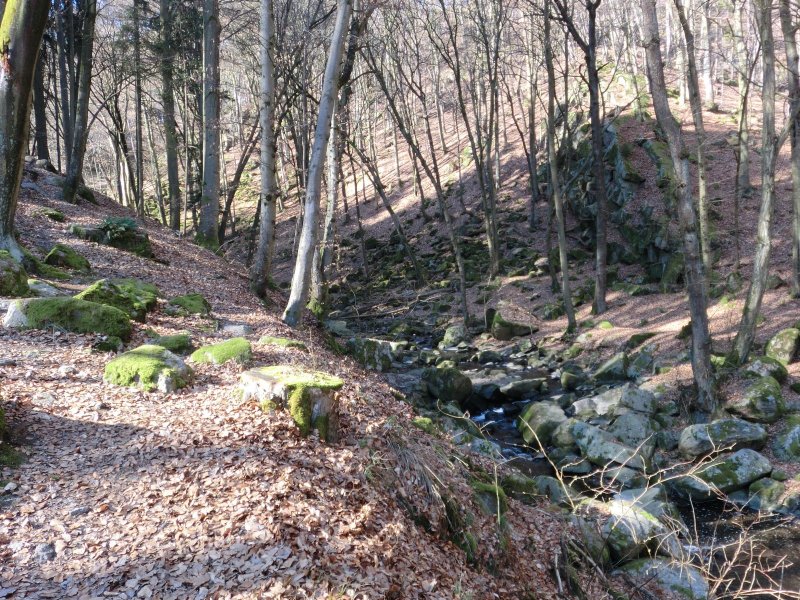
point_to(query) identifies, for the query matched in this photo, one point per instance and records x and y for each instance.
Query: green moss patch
(268, 340)
(491, 498)
(237, 349)
(134, 297)
(70, 314)
(300, 383)
(425, 424)
(179, 343)
(189, 304)
(52, 214)
(37, 267)
(150, 368)
(69, 258)
(13, 278)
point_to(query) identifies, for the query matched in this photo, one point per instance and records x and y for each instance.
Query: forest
(458, 299)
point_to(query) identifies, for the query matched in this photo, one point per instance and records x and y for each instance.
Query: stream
(713, 528)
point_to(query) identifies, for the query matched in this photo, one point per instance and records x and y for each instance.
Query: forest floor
(194, 494)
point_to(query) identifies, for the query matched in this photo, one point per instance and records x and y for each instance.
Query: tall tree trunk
(21, 29)
(262, 263)
(209, 203)
(81, 130)
(40, 110)
(65, 80)
(167, 64)
(792, 58)
(697, 114)
(230, 189)
(308, 238)
(743, 85)
(156, 170)
(769, 154)
(555, 187)
(708, 57)
(137, 93)
(706, 400)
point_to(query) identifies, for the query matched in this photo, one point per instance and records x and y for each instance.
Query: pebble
(44, 552)
(10, 487)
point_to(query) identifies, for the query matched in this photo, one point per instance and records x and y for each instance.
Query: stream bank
(655, 498)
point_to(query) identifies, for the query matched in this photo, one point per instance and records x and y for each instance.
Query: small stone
(10, 487)
(80, 511)
(44, 553)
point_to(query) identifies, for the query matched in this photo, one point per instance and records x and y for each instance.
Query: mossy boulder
(179, 343)
(13, 278)
(134, 297)
(765, 494)
(447, 384)
(631, 530)
(674, 579)
(268, 340)
(373, 353)
(42, 289)
(122, 233)
(490, 497)
(538, 422)
(189, 304)
(786, 446)
(69, 258)
(237, 349)
(614, 369)
(310, 396)
(603, 450)
(765, 365)
(761, 402)
(783, 345)
(505, 330)
(454, 335)
(722, 434)
(724, 475)
(149, 368)
(52, 214)
(69, 314)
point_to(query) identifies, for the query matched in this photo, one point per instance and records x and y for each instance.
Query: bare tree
(81, 129)
(209, 203)
(706, 400)
(327, 105)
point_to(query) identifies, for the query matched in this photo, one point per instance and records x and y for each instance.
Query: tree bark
(308, 237)
(209, 202)
(40, 110)
(792, 58)
(696, 104)
(21, 29)
(81, 129)
(769, 154)
(137, 93)
(706, 400)
(167, 64)
(555, 187)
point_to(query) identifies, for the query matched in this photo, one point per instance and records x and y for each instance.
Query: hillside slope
(193, 494)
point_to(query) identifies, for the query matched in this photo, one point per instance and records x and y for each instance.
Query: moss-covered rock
(763, 366)
(762, 402)
(69, 258)
(132, 296)
(150, 368)
(13, 278)
(454, 335)
(310, 396)
(372, 353)
(179, 343)
(786, 446)
(724, 475)
(426, 424)
(69, 314)
(538, 422)
(722, 434)
(783, 345)
(268, 340)
(614, 369)
(448, 384)
(490, 497)
(189, 304)
(122, 233)
(675, 579)
(35, 266)
(505, 330)
(43, 289)
(52, 214)
(237, 349)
